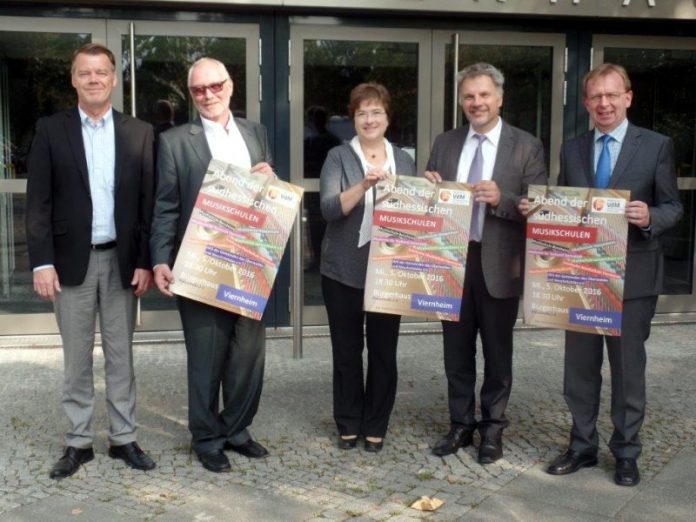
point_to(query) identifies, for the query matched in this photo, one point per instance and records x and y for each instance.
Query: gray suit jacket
(519, 162)
(645, 166)
(341, 259)
(182, 159)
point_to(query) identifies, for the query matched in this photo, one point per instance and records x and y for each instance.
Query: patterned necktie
(475, 175)
(603, 164)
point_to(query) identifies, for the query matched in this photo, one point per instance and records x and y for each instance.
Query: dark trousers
(584, 354)
(360, 407)
(224, 350)
(493, 319)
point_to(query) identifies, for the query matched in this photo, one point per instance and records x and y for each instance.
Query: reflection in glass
(527, 91)
(331, 69)
(34, 82)
(664, 83)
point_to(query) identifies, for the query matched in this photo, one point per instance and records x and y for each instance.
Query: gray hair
(482, 69)
(207, 60)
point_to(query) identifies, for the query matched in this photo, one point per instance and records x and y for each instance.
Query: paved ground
(307, 478)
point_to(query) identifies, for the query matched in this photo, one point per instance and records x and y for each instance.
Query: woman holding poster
(347, 200)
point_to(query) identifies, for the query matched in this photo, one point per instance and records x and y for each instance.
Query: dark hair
(93, 49)
(603, 70)
(369, 91)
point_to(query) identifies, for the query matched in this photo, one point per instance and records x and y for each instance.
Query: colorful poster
(576, 258)
(420, 238)
(235, 239)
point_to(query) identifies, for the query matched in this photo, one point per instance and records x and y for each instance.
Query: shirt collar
(210, 125)
(618, 134)
(105, 119)
(492, 135)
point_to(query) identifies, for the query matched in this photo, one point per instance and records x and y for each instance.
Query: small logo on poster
(281, 196)
(608, 205)
(454, 197)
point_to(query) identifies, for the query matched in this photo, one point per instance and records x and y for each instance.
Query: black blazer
(645, 166)
(59, 204)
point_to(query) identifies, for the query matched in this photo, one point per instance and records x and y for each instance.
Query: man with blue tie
(500, 161)
(89, 205)
(618, 155)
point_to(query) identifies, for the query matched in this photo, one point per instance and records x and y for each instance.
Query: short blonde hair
(604, 70)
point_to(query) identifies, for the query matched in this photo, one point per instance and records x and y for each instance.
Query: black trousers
(493, 319)
(361, 406)
(224, 351)
(582, 382)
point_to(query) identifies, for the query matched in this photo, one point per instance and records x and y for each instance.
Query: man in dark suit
(223, 349)
(89, 206)
(500, 161)
(641, 161)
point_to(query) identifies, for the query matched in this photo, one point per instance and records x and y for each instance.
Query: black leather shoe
(250, 448)
(626, 472)
(70, 462)
(132, 455)
(374, 446)
(490, 449)
(570, 462)
(346, 444)
(458, 437)
(215, 461)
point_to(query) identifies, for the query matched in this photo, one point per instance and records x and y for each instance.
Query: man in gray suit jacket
(641, 161)
(224, 350)
(500, 161)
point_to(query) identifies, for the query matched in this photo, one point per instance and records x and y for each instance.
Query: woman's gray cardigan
(341, 259)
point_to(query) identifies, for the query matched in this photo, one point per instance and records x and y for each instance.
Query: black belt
(104, 246)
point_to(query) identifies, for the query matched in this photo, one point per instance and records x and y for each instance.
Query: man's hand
(487, 191)
(163, 278)
(433, 176)
(263, 168)
(46, 283)
(523, 207)
(638, 214)
(142, 281)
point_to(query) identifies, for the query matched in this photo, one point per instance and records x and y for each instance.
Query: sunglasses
(199, 90)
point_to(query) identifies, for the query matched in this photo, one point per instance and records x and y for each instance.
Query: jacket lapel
(503, 153)
(252, 142)
(198, 142)
(453, 155)
(73, 130)
(586, 157)
(629, 147)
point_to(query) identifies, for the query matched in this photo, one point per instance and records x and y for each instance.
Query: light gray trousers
(76, 309)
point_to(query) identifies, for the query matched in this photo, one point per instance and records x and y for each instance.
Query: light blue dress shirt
(100, 151)
(618, 135)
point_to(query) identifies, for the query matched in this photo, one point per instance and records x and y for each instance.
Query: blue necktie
(603, 164)
(475, 175)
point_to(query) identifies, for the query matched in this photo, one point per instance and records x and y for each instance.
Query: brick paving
(305, 471)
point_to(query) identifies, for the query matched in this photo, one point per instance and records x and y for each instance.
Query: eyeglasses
(376, 114)
(610, 96)
(199, 90)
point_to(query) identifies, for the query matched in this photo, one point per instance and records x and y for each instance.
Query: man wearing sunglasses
(224, 349)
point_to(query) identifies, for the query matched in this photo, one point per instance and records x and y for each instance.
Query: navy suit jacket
(59, 202)
(645, 166)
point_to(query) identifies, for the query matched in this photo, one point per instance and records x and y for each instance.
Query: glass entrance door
(663, 77)
(325, 64)
(154, 88)
(35, 56)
